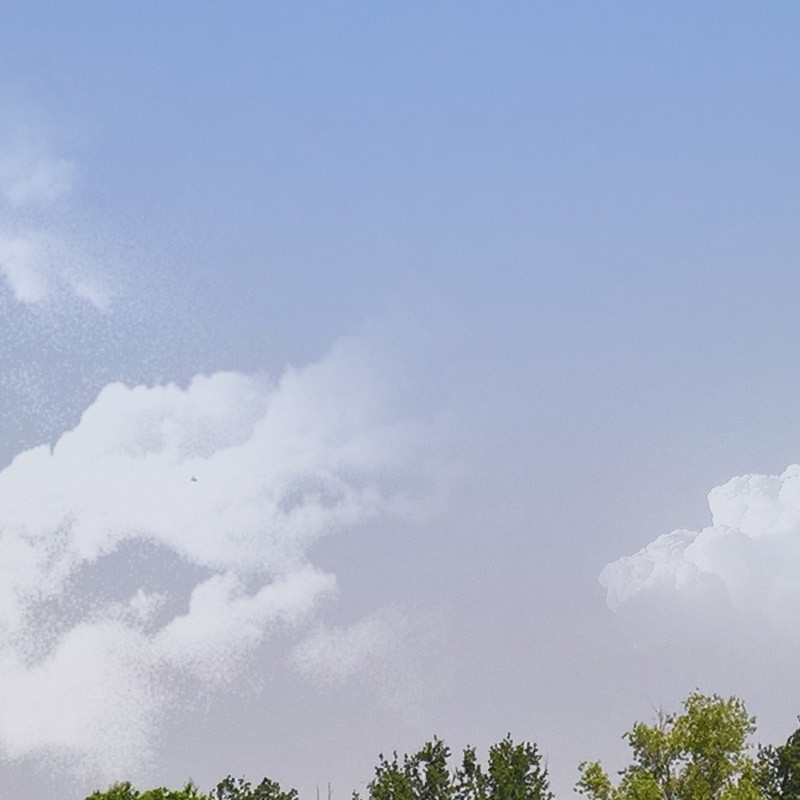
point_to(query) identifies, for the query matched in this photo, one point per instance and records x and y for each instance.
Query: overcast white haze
(370, 372)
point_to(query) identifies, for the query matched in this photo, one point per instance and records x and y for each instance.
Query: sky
(376, 371)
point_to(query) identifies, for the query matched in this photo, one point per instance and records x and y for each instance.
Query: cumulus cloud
(230, 479)
(747, 558)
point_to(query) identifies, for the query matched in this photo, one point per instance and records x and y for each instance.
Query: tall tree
(781, 769)
(240, 789)
(700, 754)
(423, 775)
(514, 772)
(119, 791)
(126, 791)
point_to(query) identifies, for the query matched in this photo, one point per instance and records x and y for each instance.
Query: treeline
(702, 753)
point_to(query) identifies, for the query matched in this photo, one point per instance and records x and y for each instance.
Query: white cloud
(748, 558)
(90, 696)
(30, 175)
(28, 179)
(332, 654)
(224, 622)
(40, 262)
(389, 654)
(91, 288)
(235, 477)
(21, 267)
(40, 267)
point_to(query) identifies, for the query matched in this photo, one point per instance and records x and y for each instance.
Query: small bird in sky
(193, 479)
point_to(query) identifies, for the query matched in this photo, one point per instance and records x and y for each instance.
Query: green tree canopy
(228, 789)
(781, 766)
(240, 789)
(514, 772)
(125, 791)
(701, 754)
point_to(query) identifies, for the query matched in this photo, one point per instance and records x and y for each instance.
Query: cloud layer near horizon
(229, 481)
(748, 558)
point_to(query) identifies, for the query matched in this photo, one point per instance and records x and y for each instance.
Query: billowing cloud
(747, 558)
(228, 482)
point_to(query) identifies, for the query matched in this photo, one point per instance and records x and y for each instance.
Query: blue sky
(534, 265)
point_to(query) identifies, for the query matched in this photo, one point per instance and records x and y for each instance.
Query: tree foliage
(240, 789)
(514, 772)
(423, 775)
(781, 769)
(228, 789)
(125, 791)
(701, 754)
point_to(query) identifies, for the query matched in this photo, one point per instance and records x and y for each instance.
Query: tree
(119, 791)
(698, 755)
(781, 769)
(240, 789)
(514, 772)
(125, 791)
(189, 792)
(423, 775)
(228, 789)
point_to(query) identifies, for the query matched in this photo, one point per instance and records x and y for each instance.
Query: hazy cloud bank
(229, 481)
